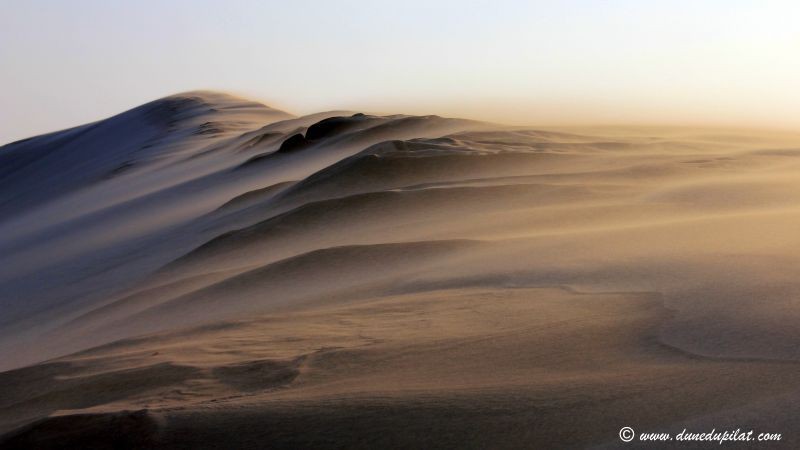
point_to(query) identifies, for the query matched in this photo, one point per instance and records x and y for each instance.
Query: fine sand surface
(207, 272)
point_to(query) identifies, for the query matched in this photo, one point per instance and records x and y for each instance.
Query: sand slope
(222, 274)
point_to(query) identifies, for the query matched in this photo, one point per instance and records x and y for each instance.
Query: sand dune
(205, 271)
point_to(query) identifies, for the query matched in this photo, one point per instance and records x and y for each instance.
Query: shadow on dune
(120, 430)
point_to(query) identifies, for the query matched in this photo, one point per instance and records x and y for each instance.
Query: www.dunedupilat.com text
(627, 434)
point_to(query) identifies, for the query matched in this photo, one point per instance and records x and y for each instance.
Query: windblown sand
(203, 271)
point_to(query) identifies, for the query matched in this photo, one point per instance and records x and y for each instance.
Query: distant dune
(204, 271)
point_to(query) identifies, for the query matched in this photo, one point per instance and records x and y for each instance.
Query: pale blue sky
(63, 63)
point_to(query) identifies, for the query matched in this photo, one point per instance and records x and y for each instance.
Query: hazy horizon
(574, 63)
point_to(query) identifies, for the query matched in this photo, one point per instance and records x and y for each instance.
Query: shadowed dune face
(223, 264)
(78, 250)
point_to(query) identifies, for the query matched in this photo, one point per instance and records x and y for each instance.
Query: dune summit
(205, 271)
